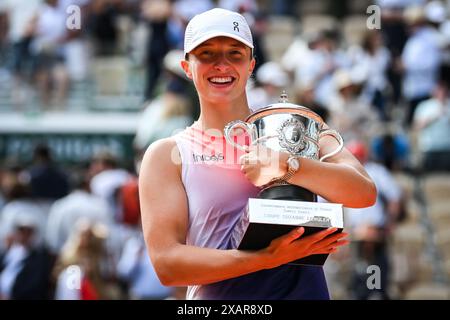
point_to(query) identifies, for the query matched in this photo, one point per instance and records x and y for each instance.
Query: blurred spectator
(435, 12)
(76, 47)
(432, 122)
(371, 227)
(9, 179)
(107, 178)
(420, 75)
(48, 46)
(3, 32)
(20, 15)
(315, 64)
(305, 96)
(19, 205)
(79, 204)
(82, 270)
(349, 113)
(25, 265)
(156, 13)
(168, 112)
(176, 79)
(189, 8)
(392, 150)
(445, 41)
(372, 61)
(129, 199)
(47, 181)
(162, 117)
(182, 12)
(103, 26)
(395, 35)
(284, 7)
(272, 80)
(136, 269)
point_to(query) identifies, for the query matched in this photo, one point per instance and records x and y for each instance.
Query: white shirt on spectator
(387, 188)
(13, 262)
(105, 185)
(136, 268)
(435, 136)
(20, 14)
(65, 213)
(51, 25)
(22, 209)
(372, 67)
(421, 58)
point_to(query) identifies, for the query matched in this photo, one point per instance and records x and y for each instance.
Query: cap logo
(236, 26)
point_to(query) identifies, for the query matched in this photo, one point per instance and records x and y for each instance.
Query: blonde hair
(85, 248)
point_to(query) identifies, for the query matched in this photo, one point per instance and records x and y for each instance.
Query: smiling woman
(220, 68)
(194, 186)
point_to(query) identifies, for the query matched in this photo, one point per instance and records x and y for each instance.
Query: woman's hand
(293, 246)
(260, 164)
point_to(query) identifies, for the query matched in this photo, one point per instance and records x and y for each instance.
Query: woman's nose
(221, 64)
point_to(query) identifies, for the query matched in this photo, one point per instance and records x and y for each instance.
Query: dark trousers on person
(412, 106)
(436, 161)
(157, 47)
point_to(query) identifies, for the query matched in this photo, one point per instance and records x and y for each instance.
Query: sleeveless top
(217, 193)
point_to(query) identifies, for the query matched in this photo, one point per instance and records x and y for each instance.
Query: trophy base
(267, 219)
(287, 192)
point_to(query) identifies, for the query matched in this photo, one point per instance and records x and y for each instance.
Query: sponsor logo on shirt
(208, 158)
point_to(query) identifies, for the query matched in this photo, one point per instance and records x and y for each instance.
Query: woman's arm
(339, 179)
(164, 210)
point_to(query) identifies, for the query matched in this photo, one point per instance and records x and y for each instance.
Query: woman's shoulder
(160, 148)
(162, 155)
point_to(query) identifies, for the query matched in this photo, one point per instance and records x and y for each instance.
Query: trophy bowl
(285, 127)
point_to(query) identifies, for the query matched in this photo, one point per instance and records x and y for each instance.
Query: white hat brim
(214, 34)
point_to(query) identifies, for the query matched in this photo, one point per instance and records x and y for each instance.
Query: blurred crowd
(74, 232)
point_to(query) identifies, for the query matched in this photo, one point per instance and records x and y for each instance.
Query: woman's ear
(187, 70)
(252, 66)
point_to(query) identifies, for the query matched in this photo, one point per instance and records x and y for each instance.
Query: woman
(193, 191)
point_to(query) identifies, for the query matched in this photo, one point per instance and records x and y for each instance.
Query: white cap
(172, 62)
(216, 23)
(342, 79)
(435, 11)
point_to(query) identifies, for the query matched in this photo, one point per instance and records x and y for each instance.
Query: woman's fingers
(318, 236)
(330, 239)
(291, 236)
(331, 248)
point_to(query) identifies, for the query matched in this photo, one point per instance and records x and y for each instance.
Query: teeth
(221, 79)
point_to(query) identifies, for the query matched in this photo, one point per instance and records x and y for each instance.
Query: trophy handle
(337, 136)
(238, 124)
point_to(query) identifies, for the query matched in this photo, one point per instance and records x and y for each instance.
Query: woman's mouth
(221, 81)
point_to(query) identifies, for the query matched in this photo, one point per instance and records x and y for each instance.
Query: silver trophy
(290, 128)
(281, 206)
